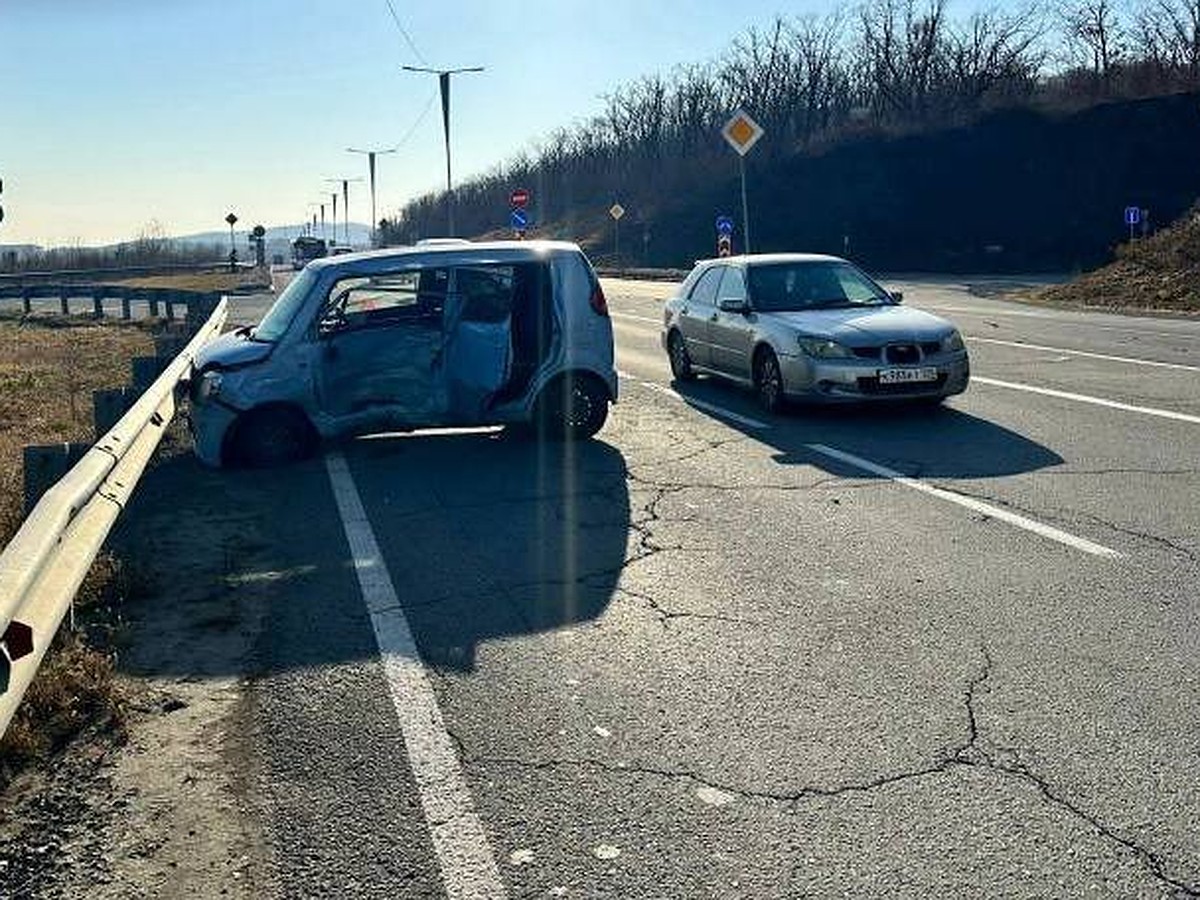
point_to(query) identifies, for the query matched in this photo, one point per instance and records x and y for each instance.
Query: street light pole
(371, 154)
(444, 85)
(345, 207)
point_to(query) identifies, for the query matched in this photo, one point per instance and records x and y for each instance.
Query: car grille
(903, 354)
(867, 352)
(870, 385)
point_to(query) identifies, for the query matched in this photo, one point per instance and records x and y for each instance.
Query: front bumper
(209, 423)
(857, 381)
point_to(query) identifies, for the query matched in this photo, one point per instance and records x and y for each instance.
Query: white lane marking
(621, 315)
(1084, 398)
(1122, 359)
(1077, 319)
(707, 407)
(469, 869)
(971, 503)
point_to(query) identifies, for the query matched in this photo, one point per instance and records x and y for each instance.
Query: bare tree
(1094, 32)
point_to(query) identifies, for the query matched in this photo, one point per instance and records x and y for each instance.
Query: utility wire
(417, 124)
(407, 39)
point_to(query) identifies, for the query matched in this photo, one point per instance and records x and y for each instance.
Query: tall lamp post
(371, 154)
(444, 84)
(345, 182)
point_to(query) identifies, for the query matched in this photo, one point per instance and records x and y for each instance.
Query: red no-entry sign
(519, 198)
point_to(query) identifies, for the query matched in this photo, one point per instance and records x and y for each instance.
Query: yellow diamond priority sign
(742, 132)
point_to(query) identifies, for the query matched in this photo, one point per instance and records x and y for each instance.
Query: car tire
(681, 363)
(768, 380)
(272, 436)
(573, 407)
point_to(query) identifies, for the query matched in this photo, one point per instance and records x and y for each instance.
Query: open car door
(479, 353)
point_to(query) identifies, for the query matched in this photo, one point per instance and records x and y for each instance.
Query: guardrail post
(126, 312)
(167, 346)
(98, 303)
(169, 300)
(144, 369)
(152, 299)
(26, 302)
(62, 301)
(45, 465)
(108, 406)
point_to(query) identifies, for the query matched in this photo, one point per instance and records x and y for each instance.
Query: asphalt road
(715, 653)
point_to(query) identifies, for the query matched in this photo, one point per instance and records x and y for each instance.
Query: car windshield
(797, 286)
(283, 310)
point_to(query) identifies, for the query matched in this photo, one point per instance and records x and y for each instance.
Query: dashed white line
(1084, 398)
(621, 315)
(1121, 359)
(469, 870)
(987, 509)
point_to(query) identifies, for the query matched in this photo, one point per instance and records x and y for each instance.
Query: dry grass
(209, 282)
(48, 369)
(1159, 273)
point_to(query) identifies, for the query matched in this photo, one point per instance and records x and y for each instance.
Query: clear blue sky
(119, 112)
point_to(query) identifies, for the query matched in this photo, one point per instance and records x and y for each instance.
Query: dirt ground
(1157, 274)
(130, 805)
(157, 814)
(211, 282)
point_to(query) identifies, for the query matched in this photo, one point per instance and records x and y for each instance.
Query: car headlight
(822, 348)
(209, 386)
(953, 342)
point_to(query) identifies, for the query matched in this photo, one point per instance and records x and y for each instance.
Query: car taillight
(598, 302)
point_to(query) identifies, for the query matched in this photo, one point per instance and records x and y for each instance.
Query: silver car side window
(733, 285)
(706, 288)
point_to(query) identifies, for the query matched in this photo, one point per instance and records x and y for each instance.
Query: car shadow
(918, 441)
(484, 537)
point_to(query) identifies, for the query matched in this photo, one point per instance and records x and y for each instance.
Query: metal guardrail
(166, 300)
(46, 561)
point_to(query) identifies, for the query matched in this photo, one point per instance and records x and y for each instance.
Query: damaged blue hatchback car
(506, 333)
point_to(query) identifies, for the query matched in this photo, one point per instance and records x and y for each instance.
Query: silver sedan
(810, 328)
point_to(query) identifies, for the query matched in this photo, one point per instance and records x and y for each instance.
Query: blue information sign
(1133, 215)
(724, 225)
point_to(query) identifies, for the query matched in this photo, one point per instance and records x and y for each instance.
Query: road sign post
(520, 222)
(616, 211)
(1133, 215)
(741, 133)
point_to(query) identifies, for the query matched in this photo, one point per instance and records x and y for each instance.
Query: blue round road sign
(520, 219)
(724, 225)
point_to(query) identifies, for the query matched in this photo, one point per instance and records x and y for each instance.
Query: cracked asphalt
(694, 658)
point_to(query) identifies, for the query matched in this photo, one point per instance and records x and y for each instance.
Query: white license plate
(905, 376)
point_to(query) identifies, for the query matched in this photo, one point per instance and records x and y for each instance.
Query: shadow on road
(484, 537)
(939, 442)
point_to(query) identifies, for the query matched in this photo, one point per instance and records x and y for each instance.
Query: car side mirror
(738, 305)
(897, 296)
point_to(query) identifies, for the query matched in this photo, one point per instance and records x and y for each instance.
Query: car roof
(450, 253)
(767, 259)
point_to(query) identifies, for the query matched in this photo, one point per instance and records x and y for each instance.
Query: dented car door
(382, 338)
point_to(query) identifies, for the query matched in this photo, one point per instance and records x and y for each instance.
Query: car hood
(231, 351)
(866, 327)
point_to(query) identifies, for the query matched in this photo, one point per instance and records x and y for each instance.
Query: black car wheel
(271, 437)
(768, 381)
(681, 363)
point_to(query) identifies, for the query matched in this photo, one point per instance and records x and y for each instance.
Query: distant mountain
(360, 235)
